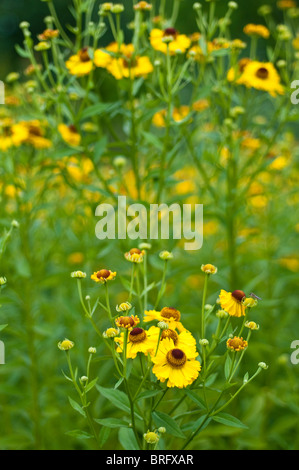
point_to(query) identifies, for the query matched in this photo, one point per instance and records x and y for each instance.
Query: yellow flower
(231, 302)
(178, 366)
(236, 344)
(178, 115)
(139, 340)
(286, 4)
(169, 315)
(135, 255)
(143, 6)
(111, 333)
(256, 30)
(262, 76)
(78, 275)
(291, 263)
(80, 64)
(175, 41)
(208, 268)
(151, 437)
(296, 42)
(65, 345)
(251, 325)
(48, 34)
(12, 135)
(124, 307)
(103, 276)
(69, 134)
(35, 134)
(235, 73)
(127, 322)
(181, 340)
(121, 62)
(76, 258)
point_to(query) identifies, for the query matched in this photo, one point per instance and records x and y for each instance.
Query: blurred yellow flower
(169, 39)
(262, 76)
(256, 30)
(80, 64)
(70, 134)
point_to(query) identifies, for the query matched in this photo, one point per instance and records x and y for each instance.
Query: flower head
(257, 30)
(252, 325)
(3, 281)
(70, 134)
(165, 255)
(124, 307)
(208, 269)
(232, 303)
(80, 64)
(66, 345)
(111, 333)
(236, 344)
(262, 76)
(103, 276)
(151, 437)
(78, 274)
(139, 341)
(135, 255)
(169, 315)
(127, 322)
(169, 39)
(176, 365)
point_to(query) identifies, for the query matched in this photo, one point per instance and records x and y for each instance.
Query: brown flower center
(83, 55)
(238, 295)
(137, 335)
(170, 32)
(170, 312)
(262, 73)
(129, 62)
(176, 358)
(34, 130)
(126, 322)
(73, 129)
(170, 334)
(103, 273)
(135, 251)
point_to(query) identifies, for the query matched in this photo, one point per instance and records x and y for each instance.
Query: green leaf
(99, 149)
(112, 423)
(229, 420)
(148, 394)
(162, 419)
(227, 366)
(98, 109)
(117, 397)
(79, 434)
(199, 402)
(127, 439)
(2, 327)
(77, 407)
(104, 435)
(91, 385)
(193, 426)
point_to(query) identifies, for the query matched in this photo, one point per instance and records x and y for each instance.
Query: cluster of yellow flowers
(168, 344)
